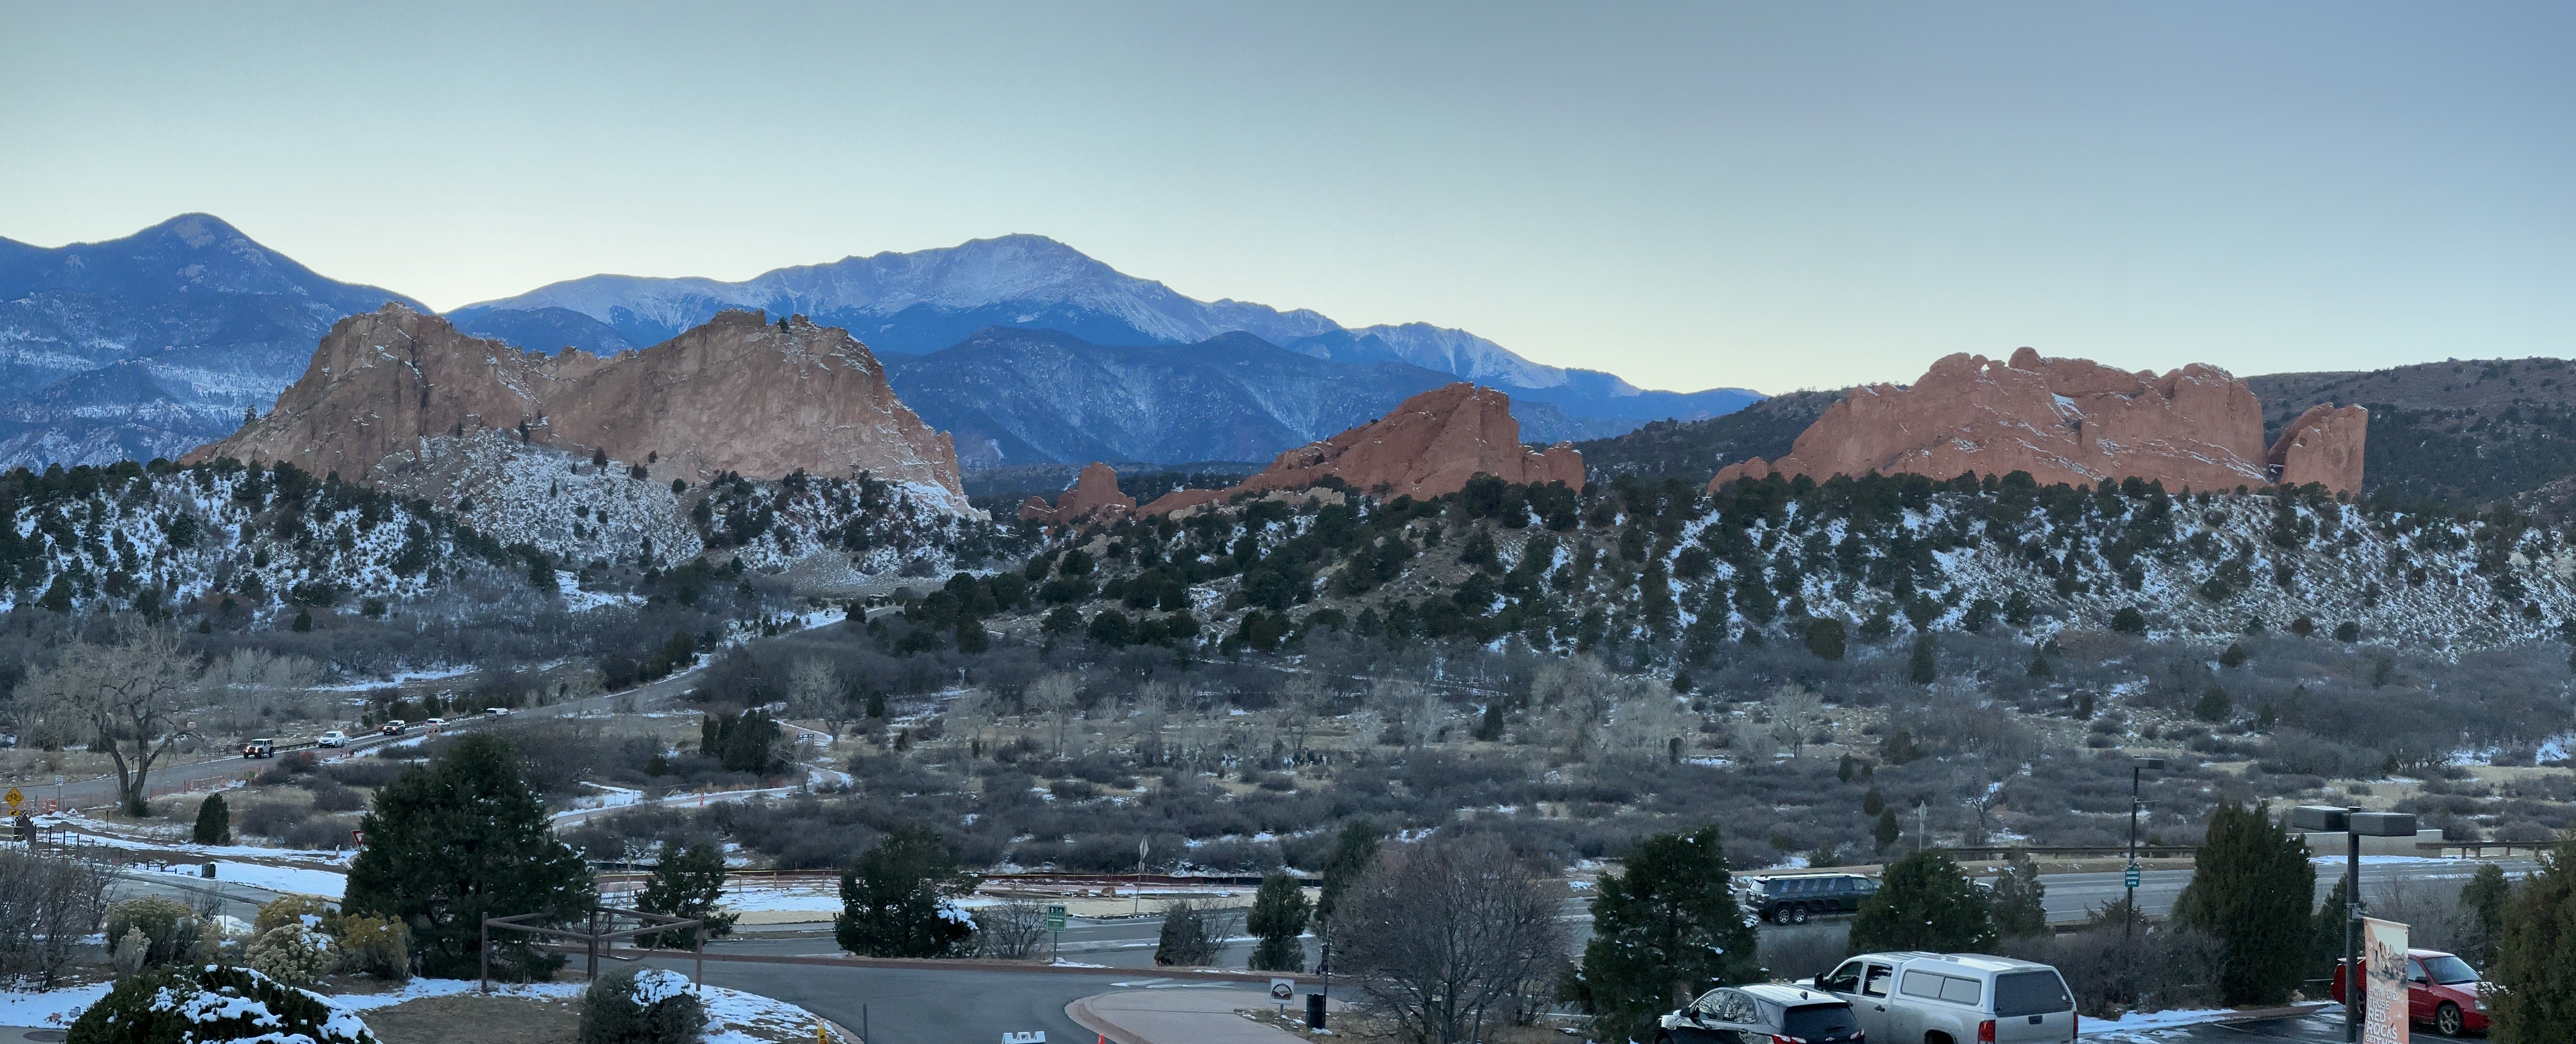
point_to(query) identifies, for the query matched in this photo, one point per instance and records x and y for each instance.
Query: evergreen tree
(1825, 639)
(2213, 705)
(1353, 850)
(459, 841)
(1663, 930)
(686, 882)
(214, 821)
(1925, 667)
(746, 742)
(2535, 998)
(2017, 900)
(2325, 932)
(1279, 913)
(1924, 903)
(1491, 728)
(1887, 831)
(1873, 803)
(2482, 905)
(2250, 888)
(897, 901)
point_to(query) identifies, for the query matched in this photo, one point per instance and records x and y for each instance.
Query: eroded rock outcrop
(1428, 445)
(1094, 495)
(2072, 421)
(738, 394)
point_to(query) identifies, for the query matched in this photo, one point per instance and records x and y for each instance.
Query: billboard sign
(2383, 947)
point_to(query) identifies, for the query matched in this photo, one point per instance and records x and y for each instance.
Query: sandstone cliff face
(737, 394)
(1094, 493)
(1429, 445)
(2072, 421)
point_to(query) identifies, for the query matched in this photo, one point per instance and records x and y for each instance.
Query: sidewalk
(1181, 1016)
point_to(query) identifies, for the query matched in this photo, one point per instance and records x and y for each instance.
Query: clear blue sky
(1767, 195)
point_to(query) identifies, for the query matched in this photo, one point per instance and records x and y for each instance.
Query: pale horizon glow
(1771, 196)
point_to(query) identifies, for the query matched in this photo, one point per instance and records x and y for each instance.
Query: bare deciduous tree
(1010, 930)
(1059, 697)
(1795, 712)
(815, 692)
(127, 697)
(1444, 933)
(51, 904)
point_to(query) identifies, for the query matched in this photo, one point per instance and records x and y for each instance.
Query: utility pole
(2137, 769)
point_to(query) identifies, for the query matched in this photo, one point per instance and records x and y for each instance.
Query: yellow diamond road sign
(15, 798)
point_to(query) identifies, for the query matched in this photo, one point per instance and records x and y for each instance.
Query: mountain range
(156, 343)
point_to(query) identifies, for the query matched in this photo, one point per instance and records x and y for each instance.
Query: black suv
(1792, 898)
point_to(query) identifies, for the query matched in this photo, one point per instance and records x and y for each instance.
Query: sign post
(1055, 925)
(1283, 991)
(15, 799)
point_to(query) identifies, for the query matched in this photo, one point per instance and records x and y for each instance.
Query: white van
(1954, 998)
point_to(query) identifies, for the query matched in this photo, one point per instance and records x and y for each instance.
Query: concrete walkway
(1182, 1016)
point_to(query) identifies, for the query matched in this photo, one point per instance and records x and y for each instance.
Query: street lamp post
(2354, 824)
(2138, 767)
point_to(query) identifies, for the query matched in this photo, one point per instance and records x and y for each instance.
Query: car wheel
(1780, 916)
(2446, 1019)
(1663, 1038)
(1798, 914)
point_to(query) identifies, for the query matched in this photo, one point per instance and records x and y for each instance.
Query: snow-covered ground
(2140, 1028)
(733, 1017)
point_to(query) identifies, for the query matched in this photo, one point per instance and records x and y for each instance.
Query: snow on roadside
(2135, 1022)
(733, 1017)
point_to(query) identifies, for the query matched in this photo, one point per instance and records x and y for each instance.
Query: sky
(1763, 195)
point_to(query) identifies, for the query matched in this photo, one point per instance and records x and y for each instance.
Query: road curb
(1198, 974)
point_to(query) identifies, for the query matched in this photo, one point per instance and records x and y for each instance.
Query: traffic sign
(15, 799)
(1055, 917)
(2131, 877)
(1283, 990)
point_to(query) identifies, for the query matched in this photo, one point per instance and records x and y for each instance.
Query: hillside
(1014, 397)
(1694, 450)
(146, 346)
(2462, 433)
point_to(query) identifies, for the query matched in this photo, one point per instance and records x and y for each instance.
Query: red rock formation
(2072, 421)
(738, 394)
(1429, 445)
(2323, 445)
(1094, 493)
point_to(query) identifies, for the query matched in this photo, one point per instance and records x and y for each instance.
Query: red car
(2441, 990)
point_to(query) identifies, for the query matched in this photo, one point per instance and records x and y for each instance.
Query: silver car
(1953, 998)
(1763, 1014)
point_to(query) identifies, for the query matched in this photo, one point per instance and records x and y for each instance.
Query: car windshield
(2449, 970)
(2030, 993)
(1819, 1022)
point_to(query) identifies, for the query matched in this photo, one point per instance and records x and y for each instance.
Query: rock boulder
(1429, 445)
(2071, 421)
(738, 394)
(1094, 495)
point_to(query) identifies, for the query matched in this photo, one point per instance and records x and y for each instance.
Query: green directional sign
(1055, 917)
(2132, 877)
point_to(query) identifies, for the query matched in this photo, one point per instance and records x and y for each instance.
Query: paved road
(938, 1005)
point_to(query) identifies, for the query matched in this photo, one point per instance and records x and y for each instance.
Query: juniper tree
(461, 840)
(687, 882)
(2250, 889)
(2017, 900)
(1663, 929)
(1924, 903)
(1279, 915)
(896, 901)
(2535, 998)
(214, 822)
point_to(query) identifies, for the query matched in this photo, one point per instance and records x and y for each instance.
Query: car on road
(496, 711)
(2442, 991)
(1953, 998)
(259, 748)
(333, 738)
(1761, 1014)
(434, 724)
(394, 727)
(1792, 898)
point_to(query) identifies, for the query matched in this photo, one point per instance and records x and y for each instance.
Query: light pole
(2354, 824)
(2138, 767)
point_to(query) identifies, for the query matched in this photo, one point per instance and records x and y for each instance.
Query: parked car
(1953, 998)
(259, 748)
(394, 727)
(1761, 1015)
(333, 738)
(1792, 898)
(2442, 991)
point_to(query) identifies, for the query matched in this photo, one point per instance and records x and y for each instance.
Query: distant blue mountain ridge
(155, 343)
